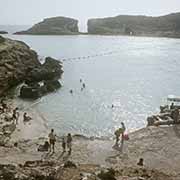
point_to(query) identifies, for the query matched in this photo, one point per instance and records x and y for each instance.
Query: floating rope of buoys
(91, 56)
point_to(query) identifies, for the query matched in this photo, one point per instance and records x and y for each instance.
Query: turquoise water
(133, 73)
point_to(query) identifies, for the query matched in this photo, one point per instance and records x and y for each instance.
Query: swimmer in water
(84, 85)
(71, 91)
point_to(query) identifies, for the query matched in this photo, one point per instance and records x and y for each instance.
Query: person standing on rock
(15, 115)
(123, 131)
(52, 140)
(120, 132)
(69, 143)
(117, 134)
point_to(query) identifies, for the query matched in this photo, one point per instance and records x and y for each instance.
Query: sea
(126, 80)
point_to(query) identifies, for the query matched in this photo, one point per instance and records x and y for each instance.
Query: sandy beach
(158, 146)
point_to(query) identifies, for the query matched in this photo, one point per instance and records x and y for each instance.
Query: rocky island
(54, 26)
(162, 26)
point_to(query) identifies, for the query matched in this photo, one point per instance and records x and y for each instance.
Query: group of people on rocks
(4, 108)
(120, 133)
(82, 88)
(66, 142)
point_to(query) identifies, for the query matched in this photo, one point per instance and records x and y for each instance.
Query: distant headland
(54, 26)
(161, 26)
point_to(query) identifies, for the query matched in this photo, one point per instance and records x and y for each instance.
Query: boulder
(107, 175)
(35, 90)
(2, 39)
(70, 164)
(30, 92)
(51, 69)
(52, 85)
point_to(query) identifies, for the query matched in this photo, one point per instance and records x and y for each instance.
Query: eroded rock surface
(16, 58)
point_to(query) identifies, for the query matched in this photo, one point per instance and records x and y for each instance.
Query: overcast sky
(17, 12)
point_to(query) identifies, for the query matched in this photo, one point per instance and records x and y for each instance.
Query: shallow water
(135, 74)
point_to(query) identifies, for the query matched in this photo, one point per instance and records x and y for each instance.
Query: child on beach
(64, 144)
(69, 143)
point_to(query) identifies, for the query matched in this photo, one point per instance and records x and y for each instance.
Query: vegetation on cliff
(54, 26)
(166, 26)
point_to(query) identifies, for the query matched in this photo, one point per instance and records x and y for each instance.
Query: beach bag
(126, 137)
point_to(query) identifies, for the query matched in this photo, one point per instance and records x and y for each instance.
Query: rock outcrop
(3, 32)
(54, 26)
(49, 170)
(42, 80)
(18, 63)
(162, 26)
(16, 58)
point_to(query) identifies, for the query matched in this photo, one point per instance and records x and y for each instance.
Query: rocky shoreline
(19, 63)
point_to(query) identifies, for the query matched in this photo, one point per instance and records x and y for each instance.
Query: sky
(29, 12)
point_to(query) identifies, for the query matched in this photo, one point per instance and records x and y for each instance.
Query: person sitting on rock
(52, 140)
(69, 143)
(4, 106)
(44, 147)
(172, 106)
(141, 162)
(26, 118)
(15, 115)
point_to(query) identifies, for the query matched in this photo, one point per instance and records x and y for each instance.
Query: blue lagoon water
(135, 74)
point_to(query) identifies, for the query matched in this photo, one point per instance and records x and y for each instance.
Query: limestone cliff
(16, 59)
(18, 63)
(165, 26)
(54, 26)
